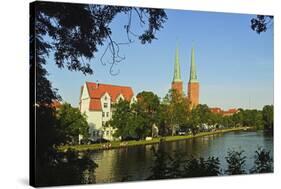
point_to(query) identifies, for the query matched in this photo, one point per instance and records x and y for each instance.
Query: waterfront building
(96, 102)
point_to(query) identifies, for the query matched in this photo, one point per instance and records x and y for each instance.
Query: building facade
(96, 102)
(193, 84)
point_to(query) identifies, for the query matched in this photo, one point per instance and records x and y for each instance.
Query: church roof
(97, 90)
(177, 69)
(193, 74)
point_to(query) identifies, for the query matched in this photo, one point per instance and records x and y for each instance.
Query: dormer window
(105, 98)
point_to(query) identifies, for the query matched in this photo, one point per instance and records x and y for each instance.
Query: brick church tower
(177, 82)
(193, 84)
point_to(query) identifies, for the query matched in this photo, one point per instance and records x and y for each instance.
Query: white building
(96, 101)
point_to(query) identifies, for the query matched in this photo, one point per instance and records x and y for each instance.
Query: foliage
(122, 120)
(261, 23)
(146, 108)
(176, 110)
(200, 167)
(267, 116)
(263, 162)
(135, 120)
(57, 28)
(68, 168)
(199, 115)
(178, 166)
(71, 123)
(73, 41)
(236, 162)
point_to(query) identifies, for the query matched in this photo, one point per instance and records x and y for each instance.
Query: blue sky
(234, 64)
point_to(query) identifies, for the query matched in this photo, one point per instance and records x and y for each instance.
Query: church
(193, 83)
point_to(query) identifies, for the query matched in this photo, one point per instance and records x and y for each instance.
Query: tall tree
(122, 120)
(177, 110)
(147, 108)
(71, 123)
(200, 115)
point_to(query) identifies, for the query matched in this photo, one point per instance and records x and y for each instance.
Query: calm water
(134, 163)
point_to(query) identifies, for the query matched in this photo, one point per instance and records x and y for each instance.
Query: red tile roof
(97, 90)
(222, 112)
(216, 110)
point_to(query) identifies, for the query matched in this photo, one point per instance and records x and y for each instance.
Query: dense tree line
(173, 114)
(166, 166)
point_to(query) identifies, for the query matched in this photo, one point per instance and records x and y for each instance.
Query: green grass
(116, 144)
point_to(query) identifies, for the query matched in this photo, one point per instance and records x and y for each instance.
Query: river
(134, 163)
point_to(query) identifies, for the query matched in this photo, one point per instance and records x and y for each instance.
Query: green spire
(193, 74)
(177, 69)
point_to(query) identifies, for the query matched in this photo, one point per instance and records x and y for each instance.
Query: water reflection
(134, 163)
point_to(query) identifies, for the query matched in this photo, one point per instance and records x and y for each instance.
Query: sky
(234, 64)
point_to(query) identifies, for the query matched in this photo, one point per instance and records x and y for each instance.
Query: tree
(200, 115)
(261, 23)
(122, 120)
(263, 162)
(73, 41)
(69, 168)
(236, 162)
(200, 167)
(57, 28)
(267, 116)
(177, 110)
(135, 120)
(147, 108)
(71, 123)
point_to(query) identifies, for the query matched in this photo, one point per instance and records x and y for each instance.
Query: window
(107, 132)
(103, 123)
(103, 114)
(105, 98)
(107, 114)
(105, 105)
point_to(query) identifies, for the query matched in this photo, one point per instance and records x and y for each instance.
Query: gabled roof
(97, 90)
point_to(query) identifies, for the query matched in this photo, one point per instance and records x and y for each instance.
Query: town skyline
(234, 66)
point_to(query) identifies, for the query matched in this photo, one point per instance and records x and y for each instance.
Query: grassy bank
(120, 144)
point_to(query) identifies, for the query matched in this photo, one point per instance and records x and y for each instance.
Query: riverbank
(125, 144)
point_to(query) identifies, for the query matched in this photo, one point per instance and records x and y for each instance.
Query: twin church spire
(193, 84)
(177, 68)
